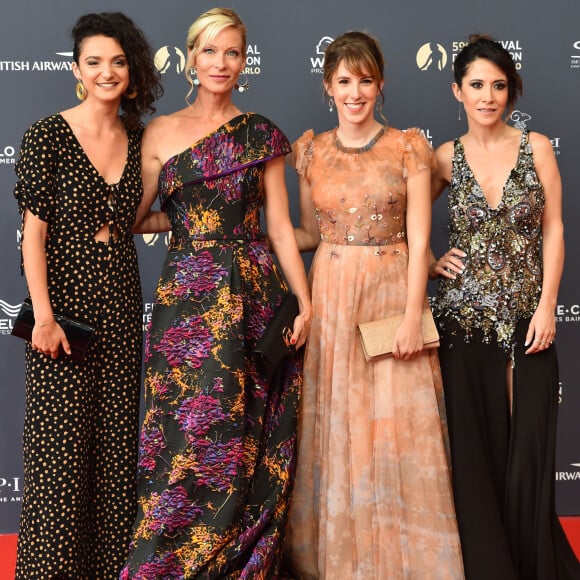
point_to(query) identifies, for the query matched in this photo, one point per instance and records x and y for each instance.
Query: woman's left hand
(408, 341)
(541, 331)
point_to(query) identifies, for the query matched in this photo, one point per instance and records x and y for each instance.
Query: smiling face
(483, 92)
(220, 61)
(354, 94)
(102, 68)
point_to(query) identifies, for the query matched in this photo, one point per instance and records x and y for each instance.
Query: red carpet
(8, 546)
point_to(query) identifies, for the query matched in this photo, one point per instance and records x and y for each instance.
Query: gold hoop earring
(130, 95)
(81, 91)
(243, 86)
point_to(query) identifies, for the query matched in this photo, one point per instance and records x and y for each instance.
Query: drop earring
(330, 105)
(243, 86)
(192, 76)
(459, 112)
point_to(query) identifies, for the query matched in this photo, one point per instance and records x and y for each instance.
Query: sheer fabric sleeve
(302, 152)
(35, 188)
(418, 153)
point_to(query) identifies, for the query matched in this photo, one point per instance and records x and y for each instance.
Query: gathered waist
(195, 242)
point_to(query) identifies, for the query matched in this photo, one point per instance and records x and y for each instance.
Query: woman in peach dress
(372, 498)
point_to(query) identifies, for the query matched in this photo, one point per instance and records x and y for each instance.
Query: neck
(357, 135)
(213, 107)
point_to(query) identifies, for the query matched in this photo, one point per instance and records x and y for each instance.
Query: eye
(121, 62)
(342, 81)
(208, 50)
(367, 81)
(500, 86)
(476, 84)
(233, 53)
(92, 62)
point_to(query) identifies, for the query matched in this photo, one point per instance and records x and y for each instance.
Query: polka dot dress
(81, 418)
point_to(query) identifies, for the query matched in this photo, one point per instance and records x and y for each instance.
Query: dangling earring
(242, 87)
(330, 105)
(459, 113)
(192, 76)
(131, 94)
(81, 91)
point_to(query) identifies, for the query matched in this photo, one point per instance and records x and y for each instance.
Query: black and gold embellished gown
(502, 457)
(81, 418)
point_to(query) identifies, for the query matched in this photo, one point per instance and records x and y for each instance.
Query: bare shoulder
(541, 145)
(444, 153)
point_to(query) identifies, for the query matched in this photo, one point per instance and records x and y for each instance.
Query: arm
(307, 235)
(408, 341)
(148, 221)
(451, 263)
(47, 335)
(283, 241)
(542, 327)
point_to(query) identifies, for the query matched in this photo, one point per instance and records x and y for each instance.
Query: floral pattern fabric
(503, 276)
(217, 452)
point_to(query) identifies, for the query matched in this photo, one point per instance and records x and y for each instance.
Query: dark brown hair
(484, 46)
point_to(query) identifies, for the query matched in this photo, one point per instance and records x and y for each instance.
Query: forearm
(36, 272)
(292, 265)
(553, 266)
(417, 274)
(154, 222)
(307, 241)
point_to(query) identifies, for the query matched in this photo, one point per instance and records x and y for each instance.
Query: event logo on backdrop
(575, 57)
(169, 58)
(433, 56)
(317, 62)
(7, 155)
(10, 311)
(37, 65)
(519, 120)
(10, 489)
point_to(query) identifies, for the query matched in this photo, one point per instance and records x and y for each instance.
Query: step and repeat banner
(286, 42)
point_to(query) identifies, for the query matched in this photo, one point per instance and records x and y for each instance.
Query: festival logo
(151, 240)
(10, 489)
(431, 56)
(575, 56)
(514, 47)
(7, 155)
(169, 58)
(253, 60)
(570, 313)
(519, 120)
(10, 311)
(317, 62)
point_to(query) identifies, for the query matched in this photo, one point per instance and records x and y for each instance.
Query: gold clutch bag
(377, 336)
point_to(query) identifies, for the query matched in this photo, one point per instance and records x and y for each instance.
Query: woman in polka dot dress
(78, 188)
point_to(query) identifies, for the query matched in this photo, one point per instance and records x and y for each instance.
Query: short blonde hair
(208, 26)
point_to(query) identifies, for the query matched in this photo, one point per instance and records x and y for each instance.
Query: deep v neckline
(507, 180)
(88, 159)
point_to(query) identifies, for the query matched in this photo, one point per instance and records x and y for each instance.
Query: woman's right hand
(47, 338)
(449, 265)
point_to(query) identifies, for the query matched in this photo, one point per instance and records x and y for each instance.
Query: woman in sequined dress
(373, 493)
(495, 307)
(218, 442)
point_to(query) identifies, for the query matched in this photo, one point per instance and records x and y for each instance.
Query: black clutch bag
(275, 346)
(80, 334)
